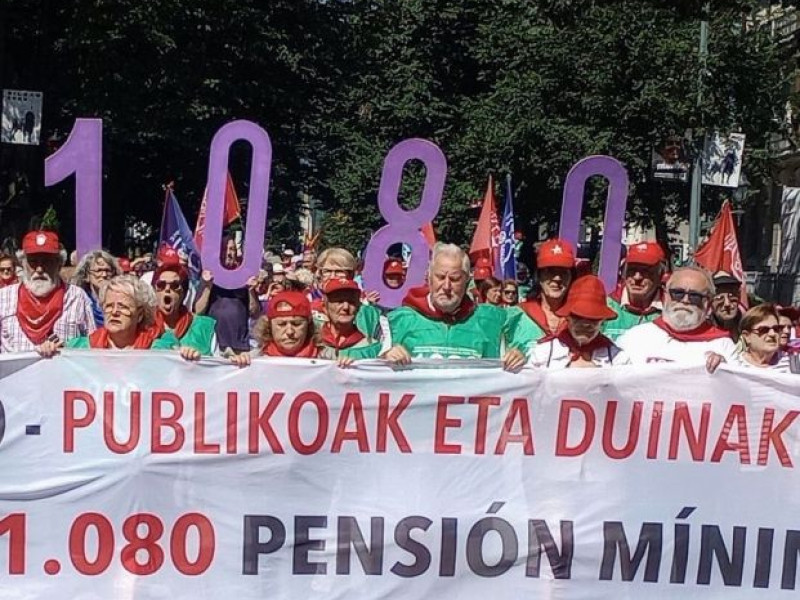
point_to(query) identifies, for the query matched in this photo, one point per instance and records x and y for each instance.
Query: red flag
(232, 211)
(720, 252)
(486, 239)
(430, 236)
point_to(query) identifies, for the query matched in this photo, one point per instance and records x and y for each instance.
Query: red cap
(481, 273)
(337, 285)
(393, 266)
(124, 264)
(175, 267)
(587, 298)
(555, 253)
(289, 304)
(167, 255)
(40, 242)
(645, 253)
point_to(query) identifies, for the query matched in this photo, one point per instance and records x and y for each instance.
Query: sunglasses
(175, 286)
(6, 269)
(765, 329)
(695, 298)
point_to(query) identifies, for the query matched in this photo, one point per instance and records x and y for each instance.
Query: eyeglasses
(510, 292)
(695, 298)
(765, 329)
(122, 309)
(342, 273)
(175, 286)
(100, 272)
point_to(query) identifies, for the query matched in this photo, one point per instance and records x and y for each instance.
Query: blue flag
(508, 260)
(176, 234)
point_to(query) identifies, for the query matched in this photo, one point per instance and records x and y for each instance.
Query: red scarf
(11, 281)
(309, 350)
(577, 351)
(181, 326)
(417, 299)
(329, 338)
(704, 333)
(533, 308)
(37, 316)
(144, 338)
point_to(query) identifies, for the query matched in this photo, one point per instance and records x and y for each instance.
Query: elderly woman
(8, 270)
(286, 330)
(129, 311)
(579, 343)
(510, 292)
(195, 333)
(339, 338)
(761, 339)
(555, 264)
(95, 268)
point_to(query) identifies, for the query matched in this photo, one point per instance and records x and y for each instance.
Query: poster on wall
(722, 159)
(670, 161)
(22, 117)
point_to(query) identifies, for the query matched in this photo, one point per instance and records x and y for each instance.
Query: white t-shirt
(781, 365)
(554, 354)
(648, 343)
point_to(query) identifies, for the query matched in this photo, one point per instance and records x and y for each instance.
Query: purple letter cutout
(404, 225)
(256, 206)
(616, 201)
(82, 154)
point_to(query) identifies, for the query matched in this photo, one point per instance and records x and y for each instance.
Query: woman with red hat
(196, 333)
(339, 338)
(287, 330)
(555, 264)
(578, 342)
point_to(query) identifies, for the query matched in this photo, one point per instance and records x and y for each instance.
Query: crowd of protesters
(313, 306)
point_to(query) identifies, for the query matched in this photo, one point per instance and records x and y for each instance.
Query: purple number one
(256, 204)
(616, 201)
(82, 155)
(404, 225)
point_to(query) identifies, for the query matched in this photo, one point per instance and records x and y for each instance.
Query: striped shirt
(75, 320)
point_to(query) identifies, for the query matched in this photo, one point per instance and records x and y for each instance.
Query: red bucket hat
(587, 299)
(289, 304)
(555, 253)
(645, 253)
(41, 242)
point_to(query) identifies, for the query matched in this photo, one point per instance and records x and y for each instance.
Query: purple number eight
(82, 154)
(257, 204)
(616, 201)
(404, 225)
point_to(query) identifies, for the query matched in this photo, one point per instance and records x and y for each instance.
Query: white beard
(683, 320)
(40, 287)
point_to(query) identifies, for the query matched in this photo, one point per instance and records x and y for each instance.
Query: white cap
(277, 268)
(288, 252)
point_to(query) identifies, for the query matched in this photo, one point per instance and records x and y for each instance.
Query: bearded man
(42, 312)
(683, 333)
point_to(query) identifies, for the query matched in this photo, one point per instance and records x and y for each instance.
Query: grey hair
(81, 275)
(442, 249)
(143, 295)
(339, 255)
(712, 289)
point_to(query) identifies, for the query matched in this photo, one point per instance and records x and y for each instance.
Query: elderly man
(683, 333)
(726, 312)
(42, 312)
(441, 321)
(555, 264)
(639, 301)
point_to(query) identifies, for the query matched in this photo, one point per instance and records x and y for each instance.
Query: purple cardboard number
(257, 204)
(616, 201)
(82, 155)
(404, 225)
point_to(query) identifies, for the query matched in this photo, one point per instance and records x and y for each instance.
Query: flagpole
(696, 193)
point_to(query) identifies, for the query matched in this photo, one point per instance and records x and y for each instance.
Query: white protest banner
(137, 476)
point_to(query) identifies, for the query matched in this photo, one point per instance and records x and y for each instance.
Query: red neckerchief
(704, 333)
(309, 350)
(11, 281)
(37, 316)
(181, 326)
(417, 298)
(533, 308)
(144, 338)
(577, 351)
(329, 338)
